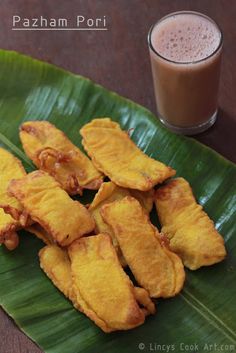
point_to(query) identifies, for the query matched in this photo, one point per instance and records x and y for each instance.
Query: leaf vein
(213, 319)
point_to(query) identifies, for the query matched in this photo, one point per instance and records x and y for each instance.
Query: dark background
(117, 59)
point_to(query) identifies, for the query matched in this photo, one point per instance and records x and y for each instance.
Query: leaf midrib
(15, 149)
(208, 315)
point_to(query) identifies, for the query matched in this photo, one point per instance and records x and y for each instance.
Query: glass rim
(179, 13)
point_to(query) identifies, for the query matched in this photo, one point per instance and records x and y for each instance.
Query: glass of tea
(185, 50)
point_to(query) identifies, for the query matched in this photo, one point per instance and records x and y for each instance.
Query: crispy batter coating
(56, 264)
(50, 206)
(103, 291)
(154, 266)
(51, 151)
(191, 232)
(115, 154)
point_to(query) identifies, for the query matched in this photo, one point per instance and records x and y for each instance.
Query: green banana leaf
(204, 313)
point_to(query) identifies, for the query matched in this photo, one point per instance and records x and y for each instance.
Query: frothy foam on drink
(185, 38)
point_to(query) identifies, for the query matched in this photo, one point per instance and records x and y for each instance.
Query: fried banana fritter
(110, 192)
(10, 168)
(115, 154)
(8, 227)
(103, 290)
(51, 151)
(11, 216)
(50, 206)
(56, 264)
(191, 232)
(154, 266)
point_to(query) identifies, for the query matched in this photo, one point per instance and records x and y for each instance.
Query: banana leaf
(204, 314)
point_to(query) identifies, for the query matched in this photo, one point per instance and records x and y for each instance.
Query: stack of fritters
(87, 248)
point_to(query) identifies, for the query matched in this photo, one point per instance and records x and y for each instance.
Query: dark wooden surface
(118, 59)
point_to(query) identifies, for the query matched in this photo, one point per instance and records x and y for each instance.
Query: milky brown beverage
(185, 50)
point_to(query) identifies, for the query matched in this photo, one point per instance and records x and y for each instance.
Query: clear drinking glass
(186, 91)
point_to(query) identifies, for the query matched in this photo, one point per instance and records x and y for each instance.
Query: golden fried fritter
(11, 216)
(115, 154)
(53, 152)
(10, 168)
(110, 192)
(8, 227)
(50, 206)
(191, 232)
(103, 291)
(154, 266)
